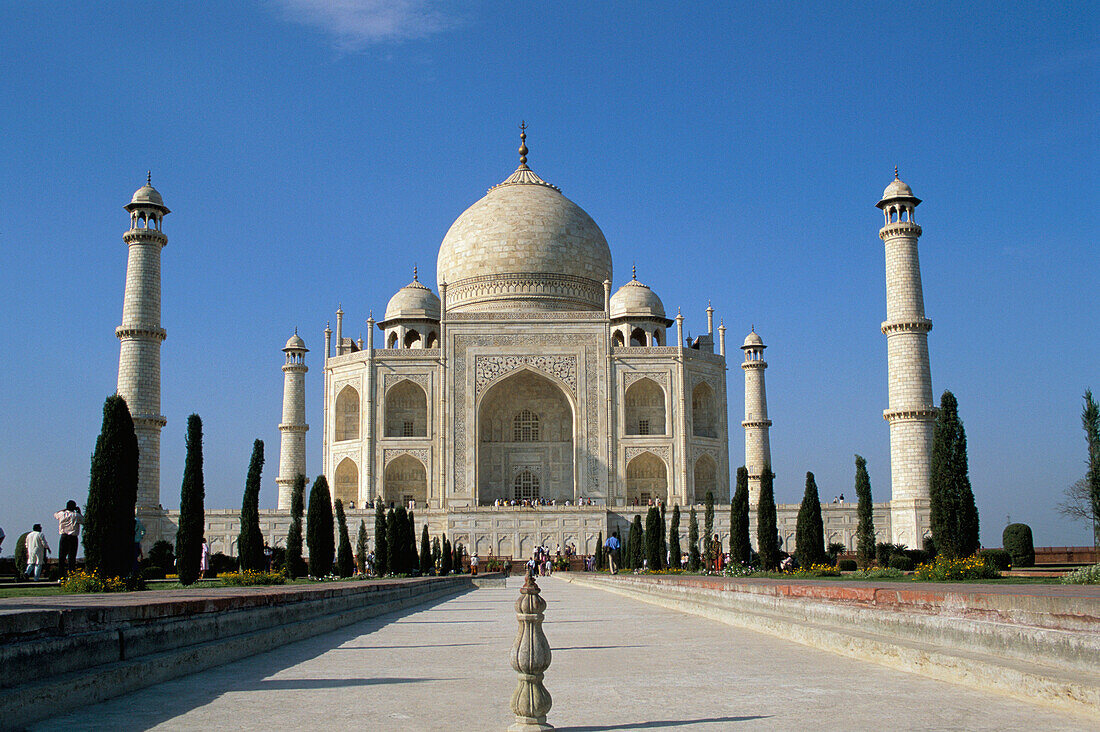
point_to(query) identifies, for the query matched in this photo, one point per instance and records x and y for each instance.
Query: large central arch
(525, 444)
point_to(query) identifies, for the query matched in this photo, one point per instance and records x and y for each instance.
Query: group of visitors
(838, 499)
(69, 521)
(540, 562)
(537, 502)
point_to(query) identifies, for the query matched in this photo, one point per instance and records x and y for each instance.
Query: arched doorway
(646, 479)
(406, 410)
(704, 412)
(706, 478)
(644, 409)
(525, 425)
(345, 482)
(405, 479)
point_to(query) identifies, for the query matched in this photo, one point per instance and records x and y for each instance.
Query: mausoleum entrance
(525, 441)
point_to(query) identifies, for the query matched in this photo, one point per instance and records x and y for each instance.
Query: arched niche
(347, 414)
(644, 407)
(706, 478)
(646, 479)
(345, 482)
(704, 411)
(525, 423)
(406, 410)
(405, 479)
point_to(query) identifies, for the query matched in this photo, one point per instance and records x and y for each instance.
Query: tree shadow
(661, 724)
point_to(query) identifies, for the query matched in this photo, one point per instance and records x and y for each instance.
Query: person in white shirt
(36, 552)
(69, 522)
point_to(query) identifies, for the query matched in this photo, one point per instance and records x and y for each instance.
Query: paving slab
(619, 664)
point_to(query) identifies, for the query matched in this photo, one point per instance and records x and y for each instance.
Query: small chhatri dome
(898, 189)
(147, 195)
(752, 340)
(295, 343)
(635, 299)
(414, 300)
(524, 246)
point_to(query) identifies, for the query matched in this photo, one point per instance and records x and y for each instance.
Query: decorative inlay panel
(662, 451)
(698, 452)
(631, 376)
(392, 379)
(420, 454)
(488, 369)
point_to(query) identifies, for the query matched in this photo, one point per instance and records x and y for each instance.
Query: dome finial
(895, 172)
(415, 276)
(634, 272)
(523, 142)
(148, 177)
(295, 330)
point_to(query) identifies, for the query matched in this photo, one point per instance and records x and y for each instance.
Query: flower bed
(248, 578)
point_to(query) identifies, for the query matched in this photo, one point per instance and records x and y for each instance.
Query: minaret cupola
(146, 207)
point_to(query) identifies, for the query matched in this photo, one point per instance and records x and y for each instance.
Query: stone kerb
(1037, 646)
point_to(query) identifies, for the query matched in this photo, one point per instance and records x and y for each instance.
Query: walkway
(618, 664)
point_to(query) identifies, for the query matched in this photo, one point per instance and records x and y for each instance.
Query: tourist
(268, 554)
(37, 548)
(473, 564)
(68, 525)
(612, 546)
(1, 537)
(204, 559)
(139, 534)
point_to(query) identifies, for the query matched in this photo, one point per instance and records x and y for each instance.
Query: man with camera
(69, 522)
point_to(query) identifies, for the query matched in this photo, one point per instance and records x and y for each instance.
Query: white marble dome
(524, 245)
(897, 189)
(752, 340)
(147, 196)
(295, 343)
(414, 300)
(636, 300)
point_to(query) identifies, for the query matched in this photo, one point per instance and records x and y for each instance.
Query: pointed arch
(433, 340)
(406, 410)
(637, 337)
(704, 411)
(706, 478)
(644, 408)
(619, 339)
(347, 414)
(405, 479)
(412, 339)
(345, 481)
(391, 339)
(646, 479)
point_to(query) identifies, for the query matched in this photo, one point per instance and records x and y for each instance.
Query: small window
(526, 486)
(407, 428)
(525, 427)
(406, 498)
(643, 426)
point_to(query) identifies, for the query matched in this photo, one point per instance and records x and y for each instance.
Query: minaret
(140, 336)
(912, 410)
(292, 430)
(758, 450)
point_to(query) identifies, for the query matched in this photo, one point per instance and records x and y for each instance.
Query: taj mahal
(530, 398)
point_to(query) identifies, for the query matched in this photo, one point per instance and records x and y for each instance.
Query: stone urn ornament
(530, 659)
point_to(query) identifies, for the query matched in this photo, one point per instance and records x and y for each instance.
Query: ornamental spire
(523, 143)
(148, 177)
(895, 172)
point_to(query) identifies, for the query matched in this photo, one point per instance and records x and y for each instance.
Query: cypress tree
(112, 493)
(639, 543)
(740, 544)
(1090, 421)
(693, 542)
(425, 552)
(653, 539)
(319, 529)
(381, 549)
(412, 558)
(674, 539)
(599, 551)
(345, 565)
(192, 519)
(296, 566)
(708, 528)
(446, 559)
(456, 562)
(437, 554)
(767, 531)
(810, 531)
(663, 531)
(250, 542)
(865, 531)
(361, 547)
(954, 516)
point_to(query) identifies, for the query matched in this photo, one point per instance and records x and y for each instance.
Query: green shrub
(221, 563)
(1083, 576)
(999, 558)
(153, 573)
(81, 581)
(917, 556)
(161, 556)
(846, 565)
(21, 555)
(878, 573)
(1017, 541)
(833, 552)
(901, 563)
(884, 551)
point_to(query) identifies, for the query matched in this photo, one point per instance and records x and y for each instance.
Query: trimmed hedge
(901, 562)
(999, 558)
(847, 565)
(1017, 541)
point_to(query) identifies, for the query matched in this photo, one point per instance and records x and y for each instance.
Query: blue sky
(312, 152)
